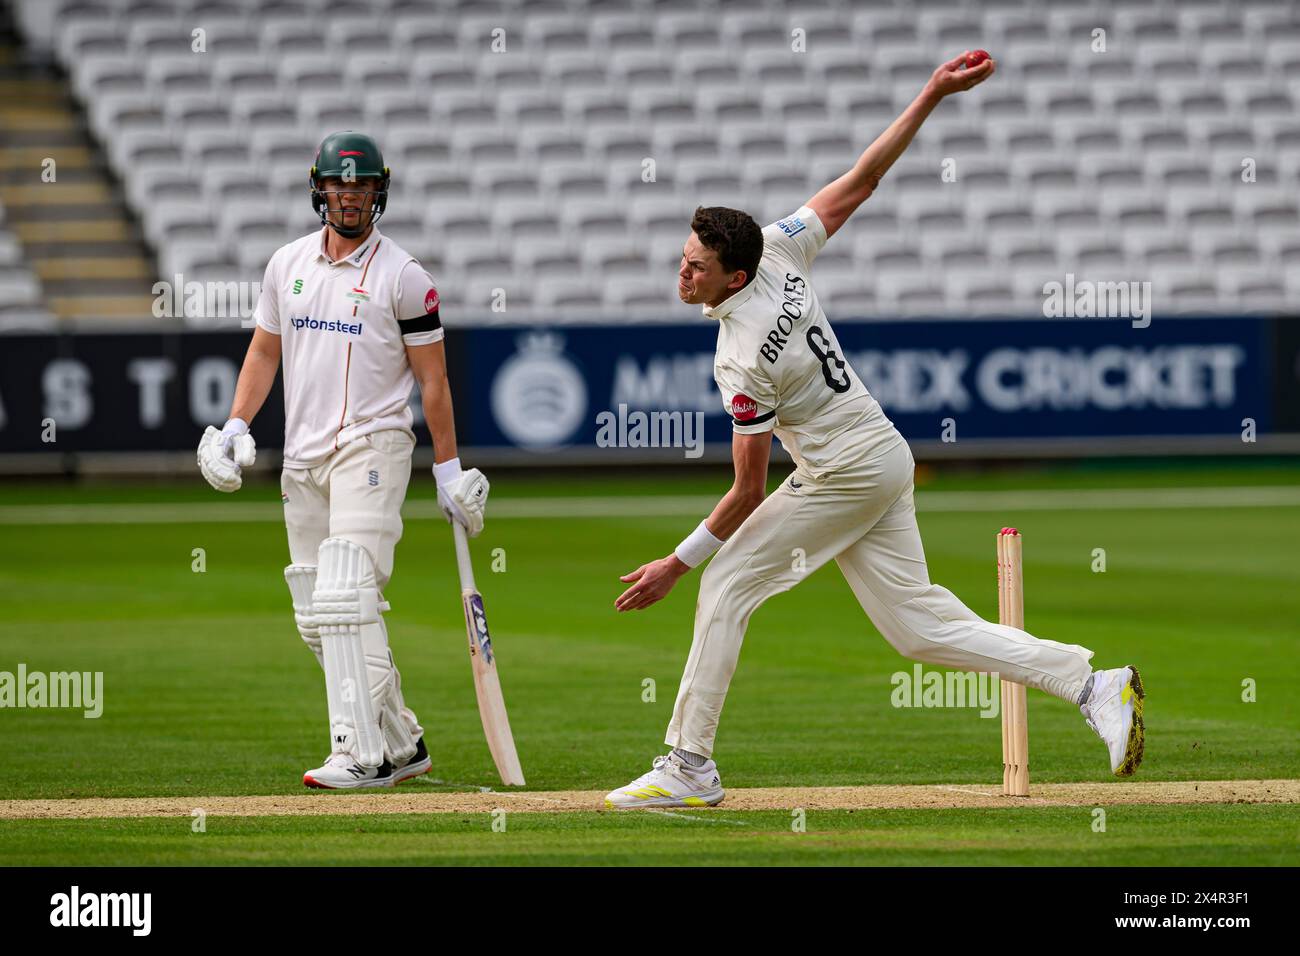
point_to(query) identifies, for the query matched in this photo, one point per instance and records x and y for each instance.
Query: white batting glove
(223, 453)
(462, 495)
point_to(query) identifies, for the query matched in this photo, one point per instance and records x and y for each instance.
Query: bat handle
(463, 563)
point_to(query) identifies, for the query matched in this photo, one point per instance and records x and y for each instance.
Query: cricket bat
(487, 685)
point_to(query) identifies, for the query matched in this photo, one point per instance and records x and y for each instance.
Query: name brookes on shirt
(795, 293)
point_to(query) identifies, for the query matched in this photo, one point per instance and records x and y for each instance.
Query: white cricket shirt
(344, 327)
(779, 366)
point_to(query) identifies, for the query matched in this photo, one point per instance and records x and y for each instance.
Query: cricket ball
(976, 57)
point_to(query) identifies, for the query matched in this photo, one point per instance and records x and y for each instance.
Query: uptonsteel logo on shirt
(307, 322)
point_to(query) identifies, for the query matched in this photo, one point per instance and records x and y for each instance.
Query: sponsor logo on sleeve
(743, 408)
(792, 225)
(431, 301)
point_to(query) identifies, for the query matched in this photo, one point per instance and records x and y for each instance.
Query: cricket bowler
(780, 369)
(355, 319)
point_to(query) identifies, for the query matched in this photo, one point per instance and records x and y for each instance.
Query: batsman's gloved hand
(223, 453)
(462, 495)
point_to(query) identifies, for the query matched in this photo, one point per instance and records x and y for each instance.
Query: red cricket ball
(976, 57)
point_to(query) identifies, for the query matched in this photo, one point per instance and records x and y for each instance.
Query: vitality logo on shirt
(743, 408)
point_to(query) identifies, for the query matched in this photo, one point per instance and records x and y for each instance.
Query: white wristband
(445, 472)
(235, 427)
(697, 546)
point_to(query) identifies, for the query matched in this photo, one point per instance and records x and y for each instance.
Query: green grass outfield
(209, 691)
(1136, 836)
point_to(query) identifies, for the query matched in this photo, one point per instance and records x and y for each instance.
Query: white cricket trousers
(865, 519)
(356, 494)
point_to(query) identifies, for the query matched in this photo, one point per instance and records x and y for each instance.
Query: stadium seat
(524, 220)
(453, 219)
(18, 287)
(437, 181)
(179, 218)
(535, 256)
(501, 181)
(613, 260)
(1018, 251)
(109, 73)
(490, 301)
(586, 219)
(622, 33)
(644, 298)
(565, 296)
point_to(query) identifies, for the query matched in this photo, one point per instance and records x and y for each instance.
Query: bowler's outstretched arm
(838, 200)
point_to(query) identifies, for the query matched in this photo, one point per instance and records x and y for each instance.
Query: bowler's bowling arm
(838, 200)
(750, 455)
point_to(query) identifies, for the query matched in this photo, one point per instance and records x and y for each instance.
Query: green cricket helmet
(349, 156)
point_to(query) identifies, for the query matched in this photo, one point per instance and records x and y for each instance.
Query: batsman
(354, 318)
(780, 369)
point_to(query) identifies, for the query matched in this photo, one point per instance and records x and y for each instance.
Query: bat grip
(463, 563)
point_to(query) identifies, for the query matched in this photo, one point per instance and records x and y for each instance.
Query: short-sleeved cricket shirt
(344, 327)
(779, 366)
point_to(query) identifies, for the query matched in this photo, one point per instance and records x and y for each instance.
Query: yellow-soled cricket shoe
(1114, 712)
(670, 783)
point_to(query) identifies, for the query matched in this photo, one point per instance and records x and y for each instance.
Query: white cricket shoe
(670, 783)
(342, 772)
(1114, 712)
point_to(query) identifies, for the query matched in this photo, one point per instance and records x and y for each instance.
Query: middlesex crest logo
(359, 295)
(743, 408)
(431, 300)
(539, 396)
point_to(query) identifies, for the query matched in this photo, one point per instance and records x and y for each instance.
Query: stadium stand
(69, 248)
(557, 149)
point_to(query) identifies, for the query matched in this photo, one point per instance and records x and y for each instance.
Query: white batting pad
(301, 579)
(397, 735)
(346, 605)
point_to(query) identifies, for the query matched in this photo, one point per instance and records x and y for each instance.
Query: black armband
(421, 323)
